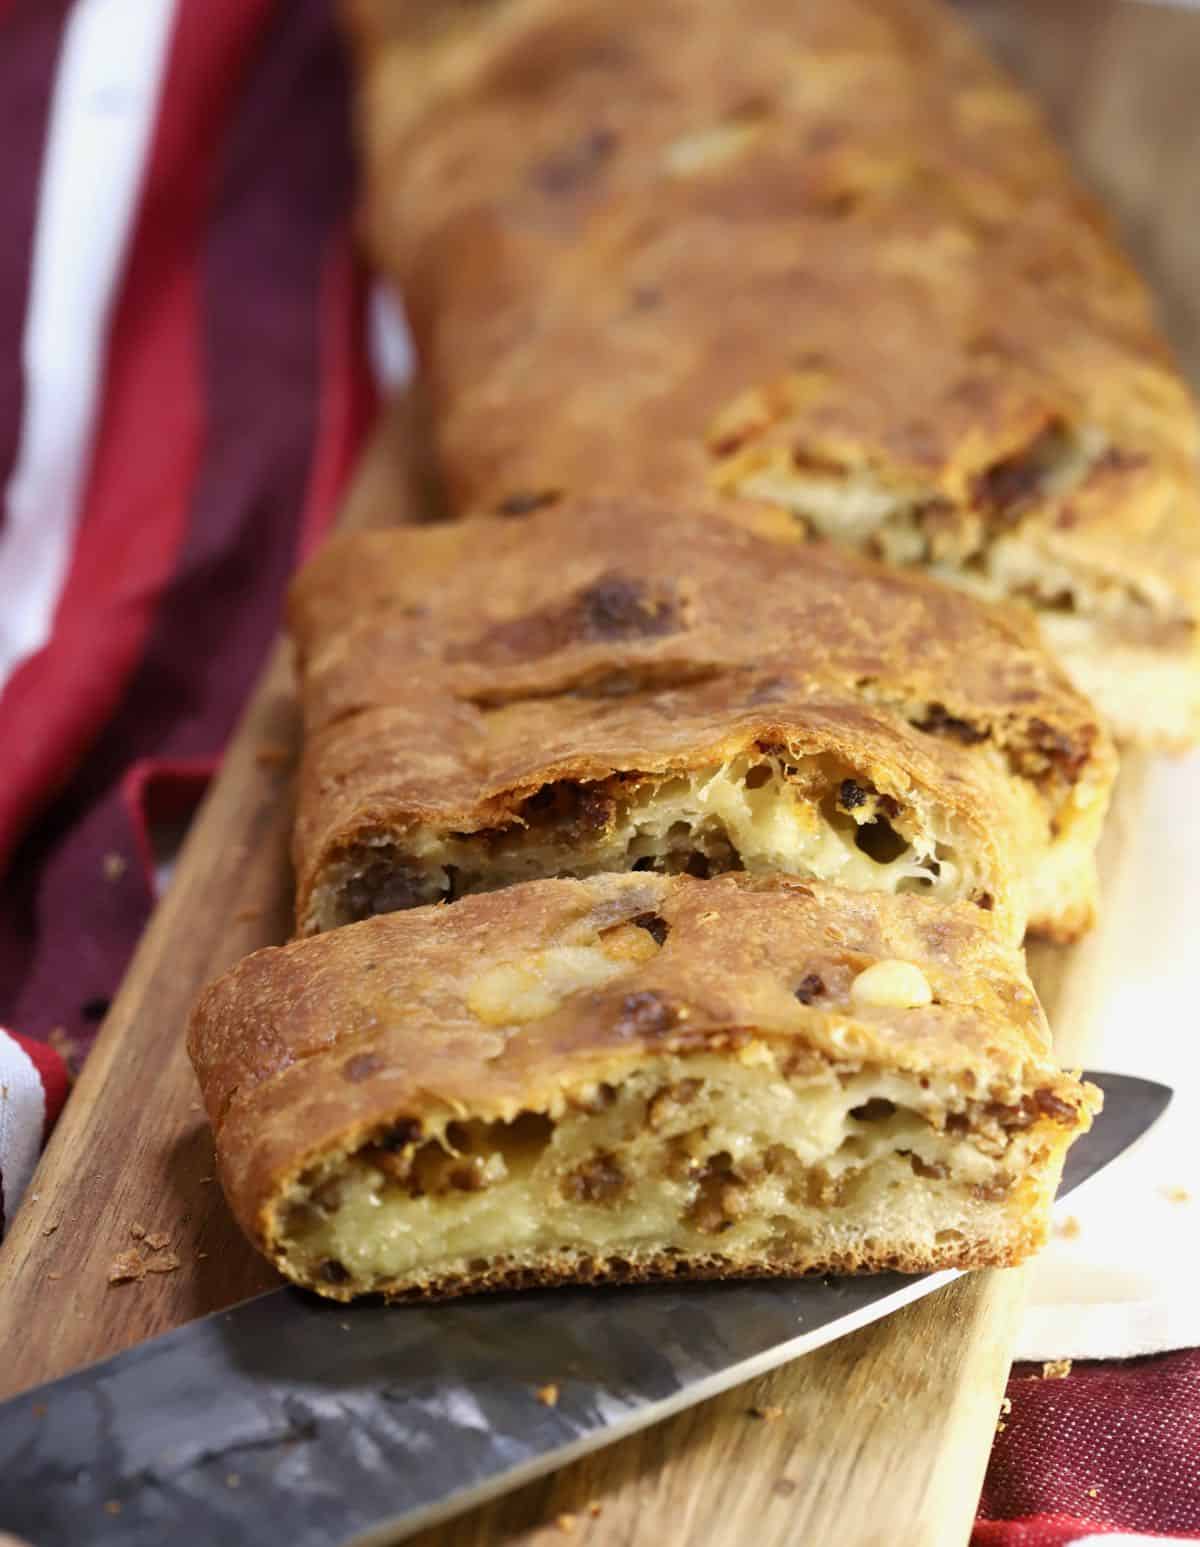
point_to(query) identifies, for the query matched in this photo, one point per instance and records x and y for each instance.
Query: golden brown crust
(657, 247)
(315, 1047)
(505, 1274)
(448, 673)
(506, 609)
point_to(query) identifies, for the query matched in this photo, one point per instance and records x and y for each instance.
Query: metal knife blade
(290, 1419)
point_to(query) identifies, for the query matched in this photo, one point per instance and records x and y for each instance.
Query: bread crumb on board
(1068, 1229)
(767, 1414)
(150, 1255)
(115, 866)
(565, 1523)
(547, 1395)
(127, 1268)
(1056, 1369)
(1176, 1194)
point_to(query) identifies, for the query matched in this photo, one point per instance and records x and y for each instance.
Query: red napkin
(1109, 1447)
(235, 393)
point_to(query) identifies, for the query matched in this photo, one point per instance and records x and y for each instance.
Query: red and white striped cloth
(184, 381)
(183, 384)
(33, 1087)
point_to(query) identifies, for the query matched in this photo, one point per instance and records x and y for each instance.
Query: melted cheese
(711, 1154)
(744, 814)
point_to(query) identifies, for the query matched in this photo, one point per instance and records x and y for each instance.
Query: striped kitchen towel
(183, 385)
(33, 1087)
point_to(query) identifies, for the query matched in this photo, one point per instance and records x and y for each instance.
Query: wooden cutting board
(881, 1439)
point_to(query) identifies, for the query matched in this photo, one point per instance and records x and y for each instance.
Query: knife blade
(292, 1419)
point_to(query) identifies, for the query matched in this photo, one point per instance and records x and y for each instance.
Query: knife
(291, 1419)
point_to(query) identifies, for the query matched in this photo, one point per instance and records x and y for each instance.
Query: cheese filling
(695, 1155)
(981, 545)
(754, 812)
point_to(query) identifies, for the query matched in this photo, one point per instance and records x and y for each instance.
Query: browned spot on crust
(810, 988)
(361, 1067)
(1114, 459)
(645, 298)
(525, 501)
(611, 609)
(646, 1014)
(572, 169)
(615, 607)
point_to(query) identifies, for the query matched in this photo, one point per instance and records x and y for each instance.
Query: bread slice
(818, 257)
(636, 1077)
(616, 685)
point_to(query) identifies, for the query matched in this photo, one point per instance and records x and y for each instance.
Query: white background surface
(1129, 1282)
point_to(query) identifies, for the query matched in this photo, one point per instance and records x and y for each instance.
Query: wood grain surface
(133, 1147)
(882, 1438)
